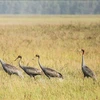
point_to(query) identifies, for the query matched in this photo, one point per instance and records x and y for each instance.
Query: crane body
(32, 72)
(86, 70)
(10, 69)
(48, 71)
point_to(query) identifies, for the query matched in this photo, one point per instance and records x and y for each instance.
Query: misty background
(50, 7)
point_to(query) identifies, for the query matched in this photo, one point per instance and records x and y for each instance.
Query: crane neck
(2, 62)
(20, 63)
(83, 62)
(39, 63)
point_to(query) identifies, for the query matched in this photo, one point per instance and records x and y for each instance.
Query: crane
(48, 71)
(10, 69)
(86, 70)
(32, 72)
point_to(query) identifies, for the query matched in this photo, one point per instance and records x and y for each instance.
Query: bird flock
(32, 72)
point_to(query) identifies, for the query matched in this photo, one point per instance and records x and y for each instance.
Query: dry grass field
(58, 40)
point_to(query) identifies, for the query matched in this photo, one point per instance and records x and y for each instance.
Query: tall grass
(58, 40)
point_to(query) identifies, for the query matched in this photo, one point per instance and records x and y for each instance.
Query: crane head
(38, 56)
(18, 57)
(82, 50)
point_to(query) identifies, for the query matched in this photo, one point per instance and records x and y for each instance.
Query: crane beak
(16, 59)
(79, 50)
(33, 58)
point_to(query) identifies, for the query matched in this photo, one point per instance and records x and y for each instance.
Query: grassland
(58, 40)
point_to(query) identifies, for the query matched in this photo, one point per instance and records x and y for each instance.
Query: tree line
(50, 7)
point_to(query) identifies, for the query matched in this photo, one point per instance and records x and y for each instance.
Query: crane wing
(10, 68)
(31, 70)
(88, 71)
(51, 72)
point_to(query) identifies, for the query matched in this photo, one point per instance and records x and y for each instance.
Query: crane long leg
(34, 78)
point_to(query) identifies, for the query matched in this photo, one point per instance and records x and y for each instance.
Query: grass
(58, 40)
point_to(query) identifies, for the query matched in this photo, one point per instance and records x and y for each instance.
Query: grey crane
(86, 70)
(10, 69)
(32, 72)
(48, 71)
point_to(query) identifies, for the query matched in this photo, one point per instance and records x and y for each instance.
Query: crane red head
(82, 51)
(38, 56)
(18, 57)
